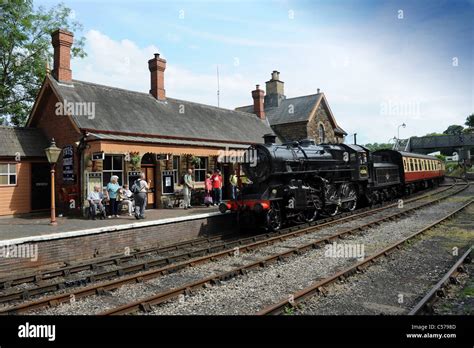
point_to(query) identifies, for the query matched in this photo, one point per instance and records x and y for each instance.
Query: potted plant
(194, 161)
(135, 160)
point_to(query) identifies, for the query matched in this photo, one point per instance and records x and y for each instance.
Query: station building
(105, 131)
(293, 119)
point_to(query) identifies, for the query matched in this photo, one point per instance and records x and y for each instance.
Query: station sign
(98, 156)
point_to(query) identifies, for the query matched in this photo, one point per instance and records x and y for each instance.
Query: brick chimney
(275, 90)
(258, 97)
(62, 41)
(157, 68)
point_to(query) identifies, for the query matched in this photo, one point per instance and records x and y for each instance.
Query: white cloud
(125, 65)
(358, 75)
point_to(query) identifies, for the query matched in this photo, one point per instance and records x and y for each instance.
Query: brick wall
(62, 130)
(58, 251)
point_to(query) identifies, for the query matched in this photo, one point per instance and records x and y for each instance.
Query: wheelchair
(101, 214)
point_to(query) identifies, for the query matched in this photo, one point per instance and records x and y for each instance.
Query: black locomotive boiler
(299, 181)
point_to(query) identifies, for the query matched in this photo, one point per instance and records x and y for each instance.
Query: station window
(200, 170)
(112, 165)
(7, 173)
(176, 168)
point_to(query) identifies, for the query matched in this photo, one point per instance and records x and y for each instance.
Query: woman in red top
(217, 186)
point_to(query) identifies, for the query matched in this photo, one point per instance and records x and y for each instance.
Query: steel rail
(146, 304)
(317, 287)
(117, 259)
(114, 284)
(426, 303)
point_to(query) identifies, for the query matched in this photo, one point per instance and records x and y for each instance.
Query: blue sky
(380, 63)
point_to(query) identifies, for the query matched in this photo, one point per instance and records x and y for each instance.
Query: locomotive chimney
(269, 138)
(258, 97)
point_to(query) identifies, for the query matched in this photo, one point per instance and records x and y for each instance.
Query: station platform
(75, 239)
(31, 228)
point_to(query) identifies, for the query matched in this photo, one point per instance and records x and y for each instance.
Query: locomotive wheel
(349, 192)
(331, 195)
(273, 218)
(311, 214)
(332, 210)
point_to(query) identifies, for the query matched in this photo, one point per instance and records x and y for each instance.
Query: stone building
(295, 118)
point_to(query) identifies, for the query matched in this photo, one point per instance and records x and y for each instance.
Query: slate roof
(124, 111)
(28, 142)
(166, 141)
(302, 107)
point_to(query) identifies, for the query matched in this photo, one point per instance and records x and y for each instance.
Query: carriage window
(411, 164)
(404, 165)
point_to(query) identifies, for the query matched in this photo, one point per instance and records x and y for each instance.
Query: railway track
(132, 256)
(125, 264)
(146, 305)
(425, 305)
(318, 288)
(243, 245)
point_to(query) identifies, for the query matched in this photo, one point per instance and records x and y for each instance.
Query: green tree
(470, 121)
(25, 49)
(454, 129)
(377, 146)
(470, 124)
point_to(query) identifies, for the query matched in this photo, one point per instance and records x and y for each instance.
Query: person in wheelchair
(96, 203)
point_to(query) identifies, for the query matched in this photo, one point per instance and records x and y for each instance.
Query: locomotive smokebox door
(300, 196)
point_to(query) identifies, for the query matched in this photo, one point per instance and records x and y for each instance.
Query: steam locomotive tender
(297, 182)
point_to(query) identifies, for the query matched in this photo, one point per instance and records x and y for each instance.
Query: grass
(468, 291)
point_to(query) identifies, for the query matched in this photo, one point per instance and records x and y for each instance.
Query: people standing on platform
(112, 191)
(140, 189)
(187, 188)
(217, 186)
(95, 199)
(127, 198)
(208, 189)
(234, 181)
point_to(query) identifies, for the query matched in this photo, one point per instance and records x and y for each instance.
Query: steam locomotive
(299, 181)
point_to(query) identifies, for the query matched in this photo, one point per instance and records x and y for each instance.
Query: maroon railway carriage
(416, 170)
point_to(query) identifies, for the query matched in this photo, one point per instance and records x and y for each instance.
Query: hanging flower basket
(135, 160)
